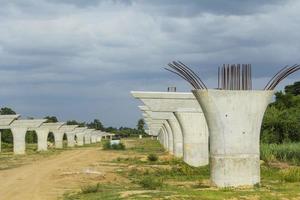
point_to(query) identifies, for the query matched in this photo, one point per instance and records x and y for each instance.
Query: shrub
(151, 183)
(119, 146)
(90, 189)
(152, 157)
(107, 146)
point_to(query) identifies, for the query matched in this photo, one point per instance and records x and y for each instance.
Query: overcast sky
(79, 59)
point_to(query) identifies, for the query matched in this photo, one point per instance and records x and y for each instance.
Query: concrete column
(234, 119)
(19, 139)
(93, 138)
(99, 138)
(177, 137)
(164, 139)
(0, 141)
(58, 138)
(195, 138)
(87, 138)
(80, 139)
(42, 135)
(71, 138)
(159, 136)
(168, 129)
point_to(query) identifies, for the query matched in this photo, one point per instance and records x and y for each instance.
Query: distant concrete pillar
(168, 131)
(87, 138)
(99, 138)
(234, 119)
(58, 139)
(80, 139)
(71, 138)
(42, 135)
(177, 137)
(93, 139)
(160, 136)
(19, 139)
(165, 140)
(195, 137)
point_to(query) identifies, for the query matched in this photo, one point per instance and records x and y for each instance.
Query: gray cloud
(79, 59)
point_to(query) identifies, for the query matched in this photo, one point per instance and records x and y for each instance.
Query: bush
(152, 157)
(119, 146)
(107, 146)
(90, 189)
(151, 183)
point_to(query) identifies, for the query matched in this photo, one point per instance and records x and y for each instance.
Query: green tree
(6, 135)
(282, 118)
(51, 119)
(96, 124)
(74, 122)
(293, 89)
(141, 125)
(7, 111)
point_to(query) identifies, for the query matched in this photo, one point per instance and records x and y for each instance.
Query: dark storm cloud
(79, 59)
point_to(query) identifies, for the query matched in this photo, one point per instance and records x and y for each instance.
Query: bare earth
(49, 178)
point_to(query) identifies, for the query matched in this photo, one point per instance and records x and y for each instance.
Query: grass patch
(151, 183)
(99, 191)
(291, 174)
(281, 152)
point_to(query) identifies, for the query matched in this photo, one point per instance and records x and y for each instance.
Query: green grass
(173, 179)
(281, 152)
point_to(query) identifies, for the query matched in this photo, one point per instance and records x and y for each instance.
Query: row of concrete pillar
(215, 127)
(75, 135)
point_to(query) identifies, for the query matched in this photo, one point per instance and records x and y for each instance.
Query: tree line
(281, 122)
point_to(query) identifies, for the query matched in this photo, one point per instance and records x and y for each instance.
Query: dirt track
(49, 178)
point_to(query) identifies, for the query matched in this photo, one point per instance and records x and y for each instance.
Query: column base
(235, 171)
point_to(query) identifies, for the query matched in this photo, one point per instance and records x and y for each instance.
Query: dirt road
(49, 178)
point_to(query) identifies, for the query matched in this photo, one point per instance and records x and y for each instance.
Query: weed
(289, 152)
(152, 157)
(151, 183)
(291, 174)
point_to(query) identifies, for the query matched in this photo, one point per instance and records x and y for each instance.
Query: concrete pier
(184, 106)
(43, 132)
(234, 119)
(87, 136)
(171, 125)
(68, 130)
(194, 127)
(5, 121)
(19, 129)
(79, 133)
